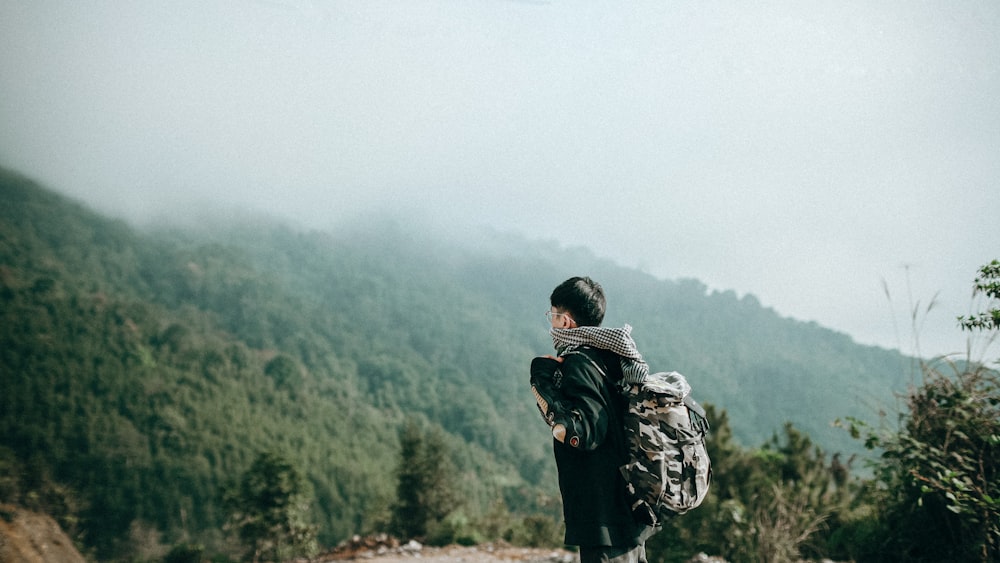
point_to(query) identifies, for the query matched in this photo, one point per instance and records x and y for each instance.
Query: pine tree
(269, 510)
(425, 493)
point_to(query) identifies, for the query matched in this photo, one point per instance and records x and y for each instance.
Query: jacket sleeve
(584, 408)
(546, 380)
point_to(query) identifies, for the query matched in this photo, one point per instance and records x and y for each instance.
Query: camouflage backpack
(668, 470)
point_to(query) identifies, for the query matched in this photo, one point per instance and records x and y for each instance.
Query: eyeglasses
(550, 315)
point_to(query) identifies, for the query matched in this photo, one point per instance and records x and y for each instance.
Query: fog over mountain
(815, 155)
(144, 368)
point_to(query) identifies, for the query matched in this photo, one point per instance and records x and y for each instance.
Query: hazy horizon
(806, 153)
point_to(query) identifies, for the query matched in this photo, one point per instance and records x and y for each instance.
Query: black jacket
(590, 406)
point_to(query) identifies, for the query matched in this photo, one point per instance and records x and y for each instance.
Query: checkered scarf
(618, 340)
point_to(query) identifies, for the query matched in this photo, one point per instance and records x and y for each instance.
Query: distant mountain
(144, 368)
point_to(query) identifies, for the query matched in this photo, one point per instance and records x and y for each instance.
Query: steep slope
(146, 373)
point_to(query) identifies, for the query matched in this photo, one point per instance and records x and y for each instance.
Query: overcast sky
(803, 152)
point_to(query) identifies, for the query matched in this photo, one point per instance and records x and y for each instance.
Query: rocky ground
(384, 549)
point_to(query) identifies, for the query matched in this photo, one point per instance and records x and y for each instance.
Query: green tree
(777, 503)
(425, 492)
(784, 498)
(939, 475)
(938, 480)
(284, 371)
(988, 284)
(268, 510)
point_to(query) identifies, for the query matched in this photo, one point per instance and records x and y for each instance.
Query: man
(577, 393)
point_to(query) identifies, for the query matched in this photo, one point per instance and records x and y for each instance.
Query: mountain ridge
(146, 366)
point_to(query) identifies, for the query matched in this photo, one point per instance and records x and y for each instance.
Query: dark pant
(612, 554)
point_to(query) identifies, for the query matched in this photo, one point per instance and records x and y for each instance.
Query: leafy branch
(987, 283)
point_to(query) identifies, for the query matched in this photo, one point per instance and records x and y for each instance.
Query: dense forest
(144, 369)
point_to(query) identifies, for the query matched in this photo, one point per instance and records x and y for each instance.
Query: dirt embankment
(30, 537)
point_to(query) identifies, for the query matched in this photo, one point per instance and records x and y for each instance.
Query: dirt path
(386, 550)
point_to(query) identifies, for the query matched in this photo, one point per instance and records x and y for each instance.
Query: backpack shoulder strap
(606, 362)
(699, 419)
(694, 406)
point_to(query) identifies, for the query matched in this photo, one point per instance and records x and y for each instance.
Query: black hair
(582, 298)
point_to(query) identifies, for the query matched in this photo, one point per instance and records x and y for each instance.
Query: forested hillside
(142, 370)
